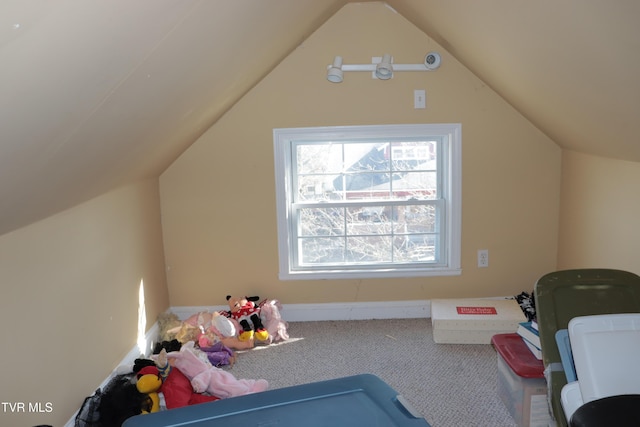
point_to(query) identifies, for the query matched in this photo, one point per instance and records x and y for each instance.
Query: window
(368, 201)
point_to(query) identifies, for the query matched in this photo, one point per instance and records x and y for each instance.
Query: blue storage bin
(361, 400)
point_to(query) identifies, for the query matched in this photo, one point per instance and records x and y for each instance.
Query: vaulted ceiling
(95, 94)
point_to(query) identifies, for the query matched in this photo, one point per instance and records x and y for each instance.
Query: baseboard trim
(356, 311)
(184, 311)
(335, 311)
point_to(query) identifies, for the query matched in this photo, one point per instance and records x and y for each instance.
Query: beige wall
(218, 201)
(69, 302)
(600, 213)
(69, 306)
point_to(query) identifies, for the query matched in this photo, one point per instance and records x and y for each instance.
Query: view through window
(368, 201)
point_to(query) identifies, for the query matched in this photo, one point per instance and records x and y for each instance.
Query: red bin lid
(518, 356)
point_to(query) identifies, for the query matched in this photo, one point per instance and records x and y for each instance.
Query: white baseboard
(334, 311)
(184, 311)
(356, 311)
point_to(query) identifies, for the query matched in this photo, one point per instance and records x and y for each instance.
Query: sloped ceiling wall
(95, 94)
(100, 93)
(570, 67)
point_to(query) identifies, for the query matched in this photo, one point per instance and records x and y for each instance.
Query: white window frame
(451, 164)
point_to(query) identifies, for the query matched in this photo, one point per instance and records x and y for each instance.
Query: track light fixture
(384, 69)
(381, 68)
(334, 73)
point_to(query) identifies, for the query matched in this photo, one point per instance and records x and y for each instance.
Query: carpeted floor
(451, 385)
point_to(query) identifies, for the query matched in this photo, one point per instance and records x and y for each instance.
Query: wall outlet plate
(483, 258)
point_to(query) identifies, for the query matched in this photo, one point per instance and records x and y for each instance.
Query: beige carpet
(451, 385)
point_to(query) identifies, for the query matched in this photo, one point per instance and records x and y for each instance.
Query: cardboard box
(473, 321)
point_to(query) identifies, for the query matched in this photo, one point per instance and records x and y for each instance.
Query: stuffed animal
(206, 378)
(118, 401)
(272, 320)
(208, 329)
(219, 354)
(176, 387)
(247, 313)
(149, 382)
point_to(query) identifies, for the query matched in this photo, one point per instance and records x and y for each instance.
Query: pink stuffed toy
(209, 379)
(177, 390)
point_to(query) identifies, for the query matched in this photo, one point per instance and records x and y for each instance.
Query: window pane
(369, 249)
(416, 185)
(415, 219)
(414, 155)
(368, 220)
(415, 248)
(322, 251)
(364, 186)
(316, 187)
(321, 221)
(374, 234)
(365, 157)
(319, 158)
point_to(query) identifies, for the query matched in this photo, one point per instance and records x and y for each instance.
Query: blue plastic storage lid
(564, 347)
(518, 356)
(360, 400)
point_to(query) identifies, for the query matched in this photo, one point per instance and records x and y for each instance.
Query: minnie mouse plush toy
(247, 313)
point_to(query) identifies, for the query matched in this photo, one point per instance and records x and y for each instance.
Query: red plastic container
(521, 383)
(518, 356)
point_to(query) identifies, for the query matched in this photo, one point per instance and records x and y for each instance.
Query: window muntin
(368, 201)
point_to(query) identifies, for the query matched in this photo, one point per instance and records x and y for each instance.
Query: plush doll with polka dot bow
(247, 313)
